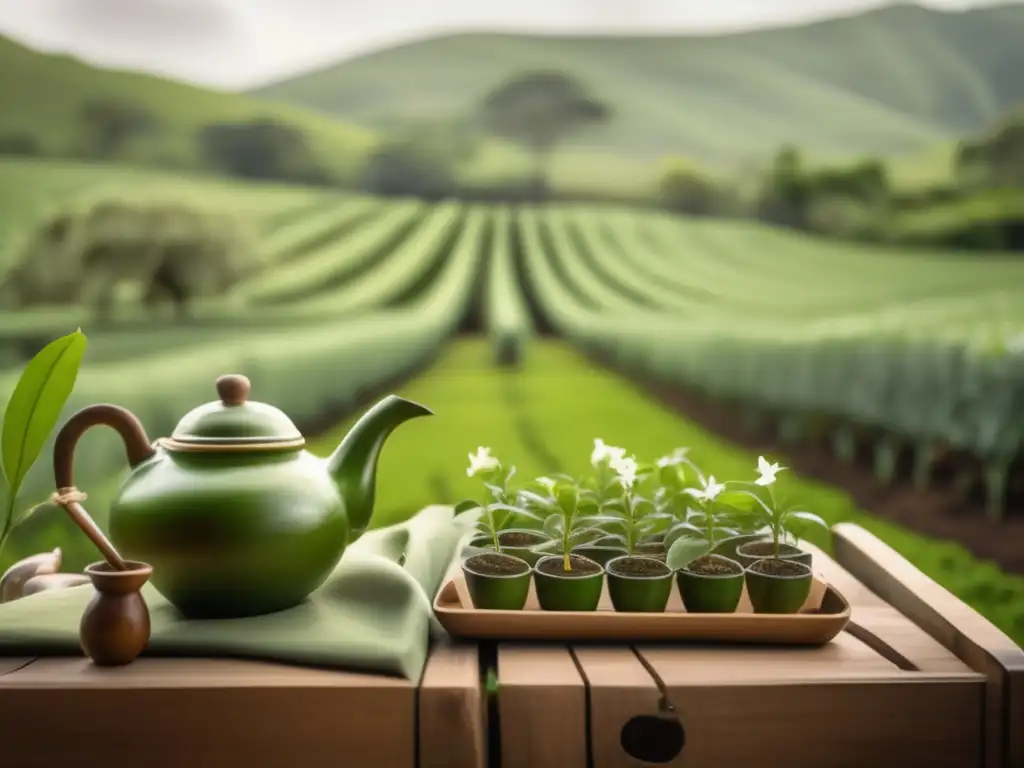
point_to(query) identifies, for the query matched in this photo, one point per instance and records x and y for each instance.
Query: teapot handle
(137, 448)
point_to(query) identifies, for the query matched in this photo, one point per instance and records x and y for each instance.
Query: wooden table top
(916, 676)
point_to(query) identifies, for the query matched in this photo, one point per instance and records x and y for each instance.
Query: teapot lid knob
(233, 389)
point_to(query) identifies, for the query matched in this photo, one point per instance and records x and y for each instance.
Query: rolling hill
(43, 93)
(887, 81)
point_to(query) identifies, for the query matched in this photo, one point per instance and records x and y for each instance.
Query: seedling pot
(750, 552)
(655, 549)
(727, 547)
(520, 542)
(638, 584)
(711, 584)
(778, 586)
(599, 553)
(578, 589)
(498, 582)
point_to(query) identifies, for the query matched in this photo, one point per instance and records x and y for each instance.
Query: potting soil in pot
(497, 565)
(581, 567)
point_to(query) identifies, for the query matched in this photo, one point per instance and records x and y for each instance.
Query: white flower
(676, 457)
(605, 452)
(710, 490)
(767, 471)
(481, 461)
(625, 467)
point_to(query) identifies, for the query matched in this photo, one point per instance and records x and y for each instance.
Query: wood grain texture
(204, 714)
(542, 705)
(452, 717)
(952, 624)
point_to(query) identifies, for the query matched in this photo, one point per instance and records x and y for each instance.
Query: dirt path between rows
(933, 512)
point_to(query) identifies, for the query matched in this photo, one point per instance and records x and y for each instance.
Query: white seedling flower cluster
(766, 471)
(710, 489)
(624, 466)
(481, 461)
(678, 456)
(603, 452)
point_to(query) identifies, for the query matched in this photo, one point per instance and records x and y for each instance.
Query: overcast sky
(241, 43)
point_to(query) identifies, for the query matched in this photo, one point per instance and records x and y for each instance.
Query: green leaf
(530, 515)
(736, 499)
(465, 506)
(684, 551)
(36, 403)
(550, 547)
(568, 498)
(682, 531)
(586, 536)
(553, 525)
(797, 522)
(671, 477)
(536, 499)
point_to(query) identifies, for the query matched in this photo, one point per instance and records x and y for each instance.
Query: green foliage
(539, 110)
(421, 158)
(32, 413)
(168, 250)
(108, 124)
(260, 149)
(499, 510)
(685, 190)
(994, 160)
(507, 314)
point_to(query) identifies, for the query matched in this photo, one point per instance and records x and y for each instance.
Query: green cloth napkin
(373, 614)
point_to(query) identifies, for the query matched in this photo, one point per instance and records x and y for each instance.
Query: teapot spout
(353, 465)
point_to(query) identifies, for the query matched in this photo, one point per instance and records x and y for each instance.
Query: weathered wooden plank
(881, 626)
(542, 707)
(845, 658)
(953, 624)
(838, 705)
(204, 713)
(620, 689)
(452, 721)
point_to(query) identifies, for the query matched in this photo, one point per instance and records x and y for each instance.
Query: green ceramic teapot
(234, 516)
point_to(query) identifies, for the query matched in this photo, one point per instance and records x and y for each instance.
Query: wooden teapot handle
(137, 448)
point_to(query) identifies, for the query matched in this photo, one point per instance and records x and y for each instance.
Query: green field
(350, 293)
(887, 81)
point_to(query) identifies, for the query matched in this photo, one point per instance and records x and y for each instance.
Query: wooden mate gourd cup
(115, 626)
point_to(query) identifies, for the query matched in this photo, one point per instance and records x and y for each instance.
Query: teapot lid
(233, 422)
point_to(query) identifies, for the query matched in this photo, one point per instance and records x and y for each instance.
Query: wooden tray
(823, 616)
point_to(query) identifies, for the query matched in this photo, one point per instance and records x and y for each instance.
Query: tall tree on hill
(538, 110)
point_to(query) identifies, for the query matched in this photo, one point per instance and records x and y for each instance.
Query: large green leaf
(684, 551)
(35, 405)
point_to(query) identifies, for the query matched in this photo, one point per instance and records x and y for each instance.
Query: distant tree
(22, 144)
(866, 182)
(786, 191)
(996, 159)
(260, 149)
(109, 124)
(421, 158)
(684, 190)
(538, 110)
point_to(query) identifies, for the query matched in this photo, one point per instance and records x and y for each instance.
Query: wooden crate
(917, 679)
